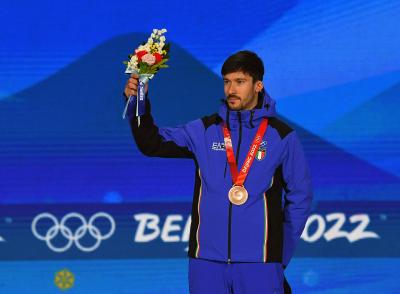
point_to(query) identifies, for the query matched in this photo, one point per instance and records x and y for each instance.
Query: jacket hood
(250, 118)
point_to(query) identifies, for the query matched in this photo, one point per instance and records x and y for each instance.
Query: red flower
(158, 57)
(140, 54)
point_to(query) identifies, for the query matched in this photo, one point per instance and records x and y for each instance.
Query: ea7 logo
(217, 146)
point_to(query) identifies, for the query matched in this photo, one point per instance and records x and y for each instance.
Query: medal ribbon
(239, 177)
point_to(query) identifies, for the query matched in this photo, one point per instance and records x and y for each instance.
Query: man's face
(240, 91)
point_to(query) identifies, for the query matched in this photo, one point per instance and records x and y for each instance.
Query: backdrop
(81, 209)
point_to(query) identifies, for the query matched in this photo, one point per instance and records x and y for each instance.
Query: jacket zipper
(230, 203)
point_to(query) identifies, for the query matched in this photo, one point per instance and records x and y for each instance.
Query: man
(252, 193)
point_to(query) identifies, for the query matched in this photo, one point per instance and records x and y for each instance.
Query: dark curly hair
(247, 62)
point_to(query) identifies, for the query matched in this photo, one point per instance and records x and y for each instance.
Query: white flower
(162, 39)
(134, 58)
(132, 65)
(163, 31)
(154, 31)
(150, 41)
(146, 47)
(149, 59)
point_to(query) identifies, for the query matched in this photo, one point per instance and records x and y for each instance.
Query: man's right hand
(131, 86)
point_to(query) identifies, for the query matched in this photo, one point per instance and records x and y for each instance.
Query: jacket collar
(248, 118)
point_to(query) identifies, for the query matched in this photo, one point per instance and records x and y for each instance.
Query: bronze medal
(238, 195)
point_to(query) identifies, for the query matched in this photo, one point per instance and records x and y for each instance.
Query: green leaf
(144, 67)
(153, 66)
(158, 64)
(162, 61)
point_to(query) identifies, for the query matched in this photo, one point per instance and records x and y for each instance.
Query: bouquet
(147, 60)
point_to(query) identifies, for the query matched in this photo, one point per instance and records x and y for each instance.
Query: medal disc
(238, 195)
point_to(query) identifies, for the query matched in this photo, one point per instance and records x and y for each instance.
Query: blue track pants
(211, 277)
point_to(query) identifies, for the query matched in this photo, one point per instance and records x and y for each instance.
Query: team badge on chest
(262, 150)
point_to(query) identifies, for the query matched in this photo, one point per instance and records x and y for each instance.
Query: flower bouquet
(147, 60)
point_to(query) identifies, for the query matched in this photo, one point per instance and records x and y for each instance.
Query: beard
(234, 102)
(237, 104)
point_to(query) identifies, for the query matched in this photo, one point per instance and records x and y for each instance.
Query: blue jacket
(267, 227)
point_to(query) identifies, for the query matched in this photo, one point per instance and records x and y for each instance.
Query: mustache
(232, 96)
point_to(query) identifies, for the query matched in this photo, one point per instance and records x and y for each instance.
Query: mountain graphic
(86, 96)
(64, 140)
(379, 116)
(324, 107)
(372, 130)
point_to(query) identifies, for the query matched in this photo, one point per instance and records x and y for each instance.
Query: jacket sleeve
(298, 195)
(159, 142)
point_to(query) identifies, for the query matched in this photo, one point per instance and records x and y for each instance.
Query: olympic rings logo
(77, 235)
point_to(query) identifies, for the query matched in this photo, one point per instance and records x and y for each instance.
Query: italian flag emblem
(260, 154)
(261, 151)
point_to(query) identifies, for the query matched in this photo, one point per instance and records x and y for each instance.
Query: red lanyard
(239, 178)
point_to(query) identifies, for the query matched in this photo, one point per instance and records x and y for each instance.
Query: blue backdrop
(67, 157)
